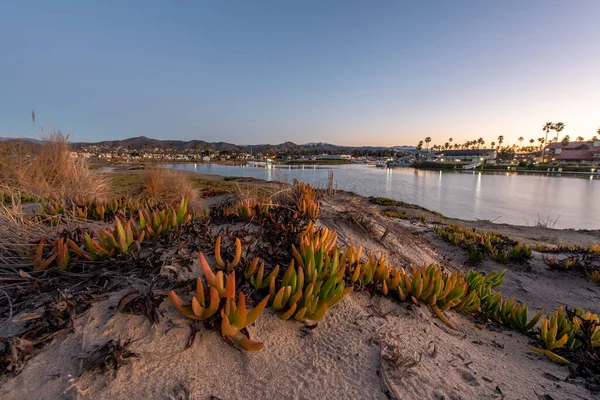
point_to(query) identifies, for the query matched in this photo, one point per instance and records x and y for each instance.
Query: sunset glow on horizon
(349, 73)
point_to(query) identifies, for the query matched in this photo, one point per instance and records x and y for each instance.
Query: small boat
(381, 163)
(259, 163)
(471, 166)
(256, 163)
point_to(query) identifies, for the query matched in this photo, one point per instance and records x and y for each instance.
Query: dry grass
(48, 170)
(166, 184)
(249, 192)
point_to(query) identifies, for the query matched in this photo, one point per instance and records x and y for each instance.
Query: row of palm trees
(469, 144)
(476, 144)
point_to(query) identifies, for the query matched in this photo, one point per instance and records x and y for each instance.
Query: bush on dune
(165, 184)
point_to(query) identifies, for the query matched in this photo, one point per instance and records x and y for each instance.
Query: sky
(345, 72)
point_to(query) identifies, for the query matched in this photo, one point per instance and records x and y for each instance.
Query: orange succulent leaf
(230, 288)
(226, 328)
(247, 344)
(208, 273)
(256, 311)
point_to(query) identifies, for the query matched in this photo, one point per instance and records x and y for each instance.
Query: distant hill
(142, 142)
(6, 139)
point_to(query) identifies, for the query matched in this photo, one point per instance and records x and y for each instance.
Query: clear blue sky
(347, 72)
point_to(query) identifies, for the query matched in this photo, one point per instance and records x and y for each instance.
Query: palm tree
(580, 139)
(480, 142)
(566, 140)
(494, 145)
(521, 141)
(541, 140)
(500, 140)
(558, 127)
(427, 141)
(446, 145)
(548, 126)
(450, 140)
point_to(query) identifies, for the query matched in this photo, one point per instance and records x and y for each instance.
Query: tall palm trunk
(544, 148)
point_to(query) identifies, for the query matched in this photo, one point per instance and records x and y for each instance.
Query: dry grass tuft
(48, 170)
(248, 192)
(166, 184)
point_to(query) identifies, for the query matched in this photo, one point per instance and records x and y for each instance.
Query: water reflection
(269, 169)
(388, 181)
(477, 194)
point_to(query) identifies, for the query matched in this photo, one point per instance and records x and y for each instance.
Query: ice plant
(236, 259)
(509, 313)
(256, 276)
(234, 316)
(245, 209)
(594, 276)
(314, 280)
(235, 319)
(201, 308)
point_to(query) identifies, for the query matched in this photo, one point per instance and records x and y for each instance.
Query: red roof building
(576, 152)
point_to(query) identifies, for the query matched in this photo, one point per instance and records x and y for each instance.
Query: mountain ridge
(141, 142)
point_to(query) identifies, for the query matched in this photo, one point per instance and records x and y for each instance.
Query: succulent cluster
(498, 247)
(586, 262)
(594, 276)
(104, 243)
(222, 296)
(307, 200)
(508, 313)
(430, 285)
(483, 285)
(427, 284)
(120, 239)
(88, 208)
(247, 208)
(59, 254)
(564, 264)
(313, 282)
(159, 220)
(571, 329)
(568, 248)
(495, 307)
(308, 290)
(302, 202)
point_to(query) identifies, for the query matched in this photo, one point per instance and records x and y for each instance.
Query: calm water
(501, 197)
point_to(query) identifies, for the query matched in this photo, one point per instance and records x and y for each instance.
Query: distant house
(587, 153)
(485, 156)
(78, 154)
(333, 157)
